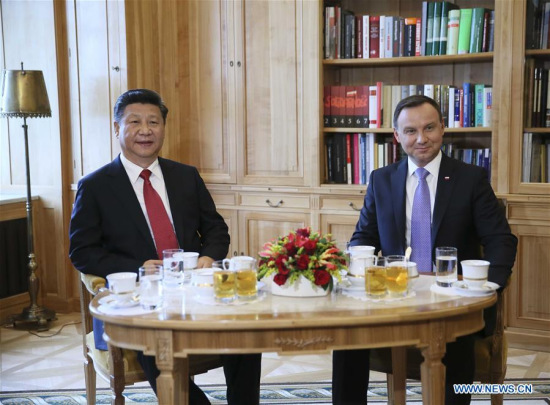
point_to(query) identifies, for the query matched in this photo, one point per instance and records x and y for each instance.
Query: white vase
(302, 287)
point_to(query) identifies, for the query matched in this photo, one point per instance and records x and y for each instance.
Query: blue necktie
(421, 224)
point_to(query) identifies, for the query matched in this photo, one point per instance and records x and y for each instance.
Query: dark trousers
(242, 376)
(350, 373)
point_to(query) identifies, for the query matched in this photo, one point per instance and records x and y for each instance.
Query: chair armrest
(92, 283)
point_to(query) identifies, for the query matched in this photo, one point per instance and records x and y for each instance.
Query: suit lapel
(445, 184)
(398, 180)
(123, 190)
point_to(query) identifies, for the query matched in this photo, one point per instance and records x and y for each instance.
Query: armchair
(490, 352)
(118, 366)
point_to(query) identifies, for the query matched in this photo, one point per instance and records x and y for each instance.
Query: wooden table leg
(173, 381)
(397, 381)
(432, 370)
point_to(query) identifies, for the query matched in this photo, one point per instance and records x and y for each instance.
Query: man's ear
(396, 135)
(117, 128)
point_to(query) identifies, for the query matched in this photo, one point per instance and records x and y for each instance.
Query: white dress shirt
(157, 181)
(412, 183)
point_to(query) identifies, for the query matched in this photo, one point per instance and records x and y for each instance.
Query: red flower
(302, 262)
(304, 232)
(280, 279)
(310, 246)
(322, 277)
(290, 248)
(281, 265)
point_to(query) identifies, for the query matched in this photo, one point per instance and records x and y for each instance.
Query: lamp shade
(24, 94)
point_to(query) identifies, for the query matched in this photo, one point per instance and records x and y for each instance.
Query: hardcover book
(464, 30)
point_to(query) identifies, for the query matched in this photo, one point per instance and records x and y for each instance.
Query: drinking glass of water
(445, 266)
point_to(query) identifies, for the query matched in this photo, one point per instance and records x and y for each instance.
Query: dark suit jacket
(109, 233)
(466, 215)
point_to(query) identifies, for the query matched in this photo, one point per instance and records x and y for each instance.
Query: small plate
(110, 301)
(461, 288)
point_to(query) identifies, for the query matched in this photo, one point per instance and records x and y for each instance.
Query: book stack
(537, 103)
(474, 156)
(372, 106)
(350, 158)
(535, 166)
(442, 29)
(538, 21)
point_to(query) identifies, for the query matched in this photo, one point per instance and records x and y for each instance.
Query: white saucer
(461, 288)
(111, 302)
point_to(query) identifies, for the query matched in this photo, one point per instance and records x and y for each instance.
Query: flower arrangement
(302, 253)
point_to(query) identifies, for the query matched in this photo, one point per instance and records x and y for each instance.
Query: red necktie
(163, 232)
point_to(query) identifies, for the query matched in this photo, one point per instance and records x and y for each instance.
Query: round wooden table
(191, 323)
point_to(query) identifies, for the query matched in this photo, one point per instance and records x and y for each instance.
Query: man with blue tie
(127, 212)
(426, 201)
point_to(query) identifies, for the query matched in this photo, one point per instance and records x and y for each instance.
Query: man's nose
(421, 137)
(144, 129)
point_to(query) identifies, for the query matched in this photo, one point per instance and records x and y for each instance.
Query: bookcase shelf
(390, 130)
(413, 60)
(430, 74)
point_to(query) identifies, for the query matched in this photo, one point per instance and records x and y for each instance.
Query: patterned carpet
(291, 393)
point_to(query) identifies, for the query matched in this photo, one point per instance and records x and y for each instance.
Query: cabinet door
(529, 302)
(91, 76)
(182, 49)
(257, 228)
(275, 74)
(341, 227)
(230, 217)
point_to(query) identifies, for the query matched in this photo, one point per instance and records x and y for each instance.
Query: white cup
(475, 272)
(190, 260)
(239, 263)
(122, 285)
(202, 277)
(362, 250)
(151, 291)
(358, 264)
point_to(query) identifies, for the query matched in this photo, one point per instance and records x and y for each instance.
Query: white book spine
(382, 36)
(451, 121)
(487, 106)
(373, 107)
(452, 32)
(429, 90)
(366, 37)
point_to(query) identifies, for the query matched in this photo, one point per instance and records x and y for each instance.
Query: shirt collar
(134, 170)
(432, 167)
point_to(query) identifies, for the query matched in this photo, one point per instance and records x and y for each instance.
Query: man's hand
(152, 262)
(204, 262)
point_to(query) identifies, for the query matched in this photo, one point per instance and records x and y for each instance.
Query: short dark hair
(415, 101)
(141, 96)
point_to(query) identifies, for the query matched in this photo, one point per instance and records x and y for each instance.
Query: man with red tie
(127, 212)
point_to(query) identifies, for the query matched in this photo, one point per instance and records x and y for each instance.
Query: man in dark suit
(465, 214)
(111, 230)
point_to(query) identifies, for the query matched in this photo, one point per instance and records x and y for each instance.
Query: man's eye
(430, 128)
(410, 131)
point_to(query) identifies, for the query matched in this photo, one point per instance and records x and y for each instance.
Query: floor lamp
(24, 96)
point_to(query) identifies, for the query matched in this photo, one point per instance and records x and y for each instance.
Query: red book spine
(348, 158)
(326, 106)
(356, 168)
(374, 22)
(359, 36)
(418, 38)
(379, 104)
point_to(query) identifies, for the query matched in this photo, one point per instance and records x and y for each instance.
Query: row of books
(537, 103)
(443, 29)
(372, 106)
(538, 23)
(350, 158)
(536, 158)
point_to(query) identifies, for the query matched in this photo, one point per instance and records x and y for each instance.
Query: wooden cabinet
(529, 303)
(238, 77)
(97, 76)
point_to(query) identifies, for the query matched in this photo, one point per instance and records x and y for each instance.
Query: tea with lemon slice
(397, 280)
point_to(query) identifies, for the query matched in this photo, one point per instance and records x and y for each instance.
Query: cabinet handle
(231, 63)
(235, 253)
(274, 205)
(115, 68)
(353, 207)
(239, 64)
(242, 253)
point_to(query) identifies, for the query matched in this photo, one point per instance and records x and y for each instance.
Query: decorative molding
(301, 343)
